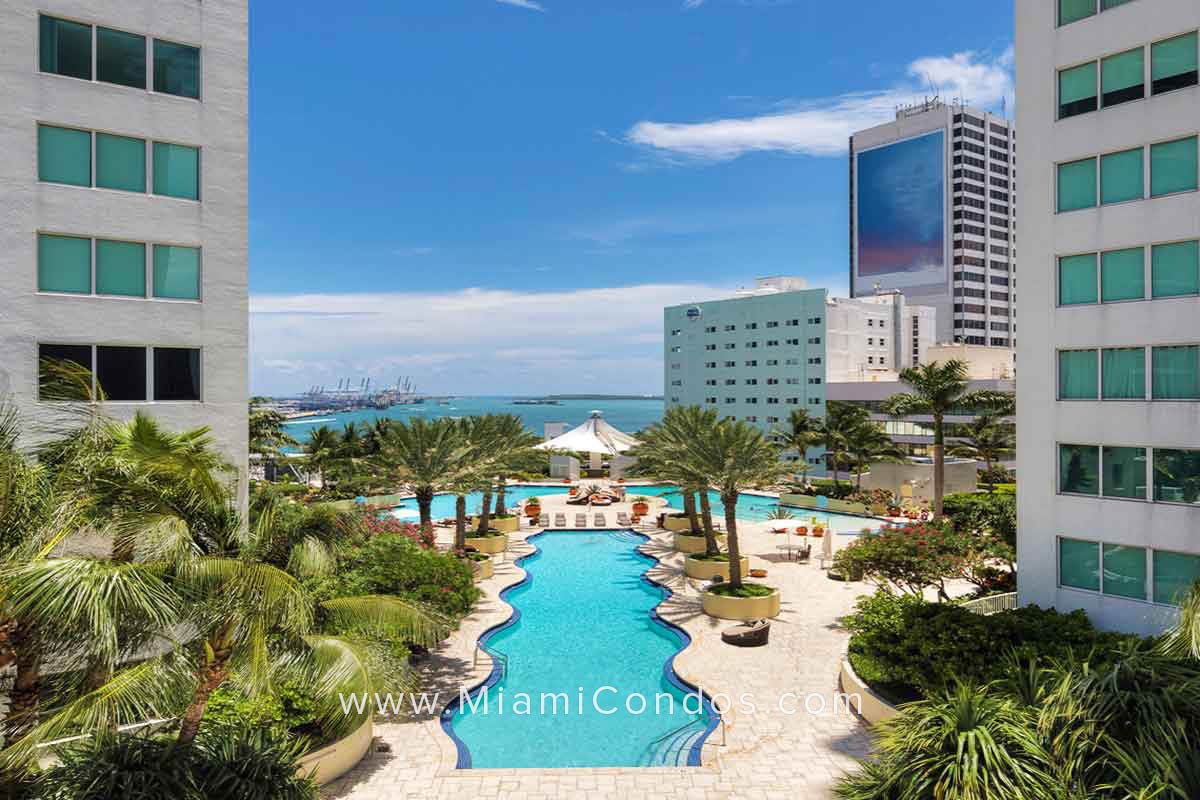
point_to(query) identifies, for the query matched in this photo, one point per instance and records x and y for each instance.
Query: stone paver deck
(763, 755)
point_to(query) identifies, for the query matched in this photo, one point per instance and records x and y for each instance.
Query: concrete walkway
(762, 755)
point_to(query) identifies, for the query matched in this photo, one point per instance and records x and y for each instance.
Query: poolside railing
(992, 604)
(498, 659)
(672, 748)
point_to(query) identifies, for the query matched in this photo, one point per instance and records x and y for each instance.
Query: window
(1173, 64)
(176, 373)
(64, 156)
(176, 171)
(78, 354)
(1124, 373)
(1176, 372)
(121, 270)
(120, 163)
(1125, 571)
(1121, 176)
(1122, 275)
(121, 372)
(1122, 77)
(65, 48)
(1072, 10)
(1174, 574)
(1079, 564)
(1077, 375)
(1078, 469)
(1125, 472)
(1177, 476)
(1077, 90)
(1077, 185)
(1175, 269)
(1173, 167)
(120, 58)
(64, 265)
(176, 69)
(1077, 280)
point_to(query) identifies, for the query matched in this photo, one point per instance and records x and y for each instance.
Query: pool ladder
(498, 659)
(672, 748)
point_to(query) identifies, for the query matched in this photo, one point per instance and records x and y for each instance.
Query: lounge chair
(601, 522)
(750, 634)
(544, 521)
(581, 520)
(622, 518)
(560, 520)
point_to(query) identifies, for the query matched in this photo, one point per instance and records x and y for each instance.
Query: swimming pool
(443, 504)
(583, 640)
(756, 508)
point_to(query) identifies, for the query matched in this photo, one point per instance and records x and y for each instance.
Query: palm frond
(409, 621)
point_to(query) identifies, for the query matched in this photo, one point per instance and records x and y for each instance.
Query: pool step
(672, 749)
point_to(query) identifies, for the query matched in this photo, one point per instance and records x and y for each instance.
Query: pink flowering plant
(913, 558)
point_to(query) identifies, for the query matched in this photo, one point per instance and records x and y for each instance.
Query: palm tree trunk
(23, 699)
(485, 513)
(735, 553)
(500, 507)
(939, 465)
(211, 677)
(689, 508)
(460, 522)
(425, 506)
(711, 547)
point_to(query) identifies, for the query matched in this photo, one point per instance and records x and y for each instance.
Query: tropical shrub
(290, 707)
(254, 765)
(913, 558)
(995, 514)
(997, 474)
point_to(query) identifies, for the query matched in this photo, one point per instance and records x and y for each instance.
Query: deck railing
(992, 604)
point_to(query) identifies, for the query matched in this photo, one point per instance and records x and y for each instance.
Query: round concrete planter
(505, 524)
(676, 524)
(693, 544)
(335, 760)
(483, 569)
(870, 706)
(489, 544)
(741, 608)
(704, 570)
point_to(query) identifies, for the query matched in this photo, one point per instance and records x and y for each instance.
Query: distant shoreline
(603, 397)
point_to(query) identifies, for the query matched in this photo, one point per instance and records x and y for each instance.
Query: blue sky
(499, 196)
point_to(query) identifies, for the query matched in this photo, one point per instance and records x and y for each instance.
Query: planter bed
(706, 569)
(686, 543)
(496, 543)
(762, 606)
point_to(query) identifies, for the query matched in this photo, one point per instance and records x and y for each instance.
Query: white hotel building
(1109, 356)
(123, 205)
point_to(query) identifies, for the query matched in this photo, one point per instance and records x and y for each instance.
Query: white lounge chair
(544, 521)
(560, 520)
(581, 520)
(600, 521)
(622, 518)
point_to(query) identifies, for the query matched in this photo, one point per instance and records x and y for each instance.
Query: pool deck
(765, 755)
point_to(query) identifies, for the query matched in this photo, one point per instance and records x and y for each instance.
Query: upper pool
(583, 640)
(757, 508)
(443, 504)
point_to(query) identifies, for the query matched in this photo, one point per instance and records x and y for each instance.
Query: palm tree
(937, 390)
(322, 450)
(867, 444)
(986, 439)
(267, 434)
(841, 421)
(735, 456)
(428, 454)
(512, 450)
(802, 432)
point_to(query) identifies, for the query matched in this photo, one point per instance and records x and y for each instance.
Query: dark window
(66, 47)
(176, 373)
(50, 387)
(176, 69)
(121, 372)
(1173, 64)
(120, 58)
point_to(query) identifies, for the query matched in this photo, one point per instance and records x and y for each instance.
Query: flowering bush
(913, 558)
(873, 497)
(390, 526)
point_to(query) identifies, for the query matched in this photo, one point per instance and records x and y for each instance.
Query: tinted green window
(1173, 167)
(1125, 571)
(1077, 378)
(64, 264)
(120, 163)
(1124, 373)
(64, 156)
(120, 58)
(1079, 564)
(1078, 469)
(1174, 575)
(65, 48)
(1121, 176)
(1122, 275)
(1077, 90)
(1176, 372)
(1105, 5)
(120, 268)
(1173, 64)
(1122, 77)
(176, 69)
(176, 171)
(1175, 269)
(1071, 10)
(1077, 185)
(1125, 472)
(1077, 280)
(1177, 476)
(177, 272)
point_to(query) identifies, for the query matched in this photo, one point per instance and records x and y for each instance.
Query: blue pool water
(584, 620)
(443, 504)
(755, 508)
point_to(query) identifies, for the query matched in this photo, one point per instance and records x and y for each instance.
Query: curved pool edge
(493, 677)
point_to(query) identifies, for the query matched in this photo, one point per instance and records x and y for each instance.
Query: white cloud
(823, 127)
(529, 4)
(472, 341)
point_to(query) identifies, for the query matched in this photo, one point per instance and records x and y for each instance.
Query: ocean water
(585, 623)
(626, 415)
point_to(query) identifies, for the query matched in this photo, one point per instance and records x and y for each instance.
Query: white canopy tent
(594, 436)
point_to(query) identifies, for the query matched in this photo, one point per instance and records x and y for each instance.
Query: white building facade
(123, 206)
(932, 198)
(1109, 355)
(874, 337)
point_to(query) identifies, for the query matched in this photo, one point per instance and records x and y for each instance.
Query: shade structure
(593, 436)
